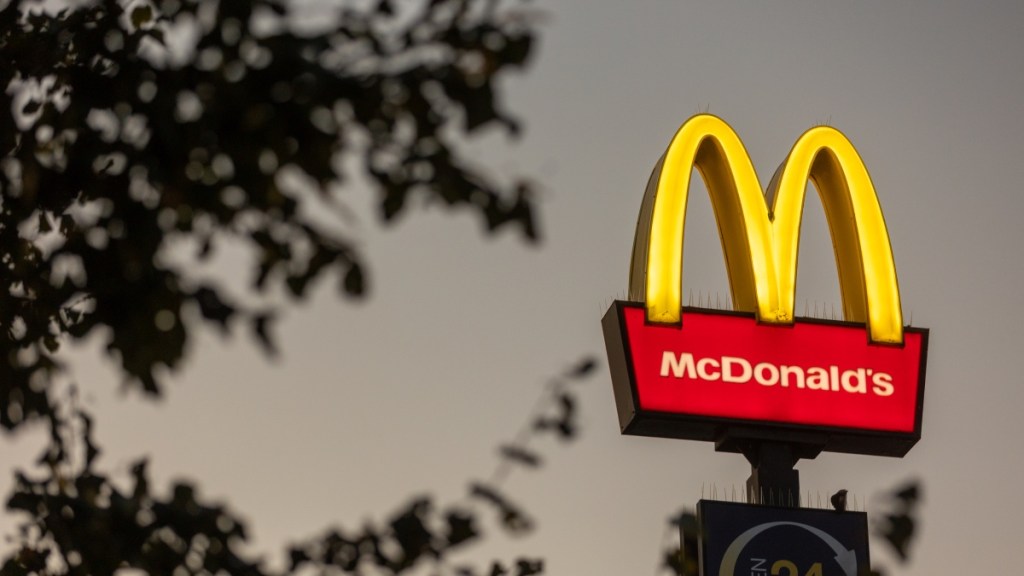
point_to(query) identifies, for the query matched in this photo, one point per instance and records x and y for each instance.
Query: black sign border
(730, 434)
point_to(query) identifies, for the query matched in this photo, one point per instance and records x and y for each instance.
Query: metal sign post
(773, 480)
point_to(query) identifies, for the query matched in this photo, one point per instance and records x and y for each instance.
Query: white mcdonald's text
(741, 371)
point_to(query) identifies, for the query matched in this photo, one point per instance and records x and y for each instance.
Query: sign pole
(773, 480)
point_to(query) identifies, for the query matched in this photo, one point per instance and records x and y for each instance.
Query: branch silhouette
(80, 522)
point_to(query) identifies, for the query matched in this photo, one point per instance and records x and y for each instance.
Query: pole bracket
(774, 480)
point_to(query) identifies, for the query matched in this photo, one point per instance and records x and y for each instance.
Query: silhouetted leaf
(683, 560)
(354, 280)
(584, 368)
(517, 50)
(521, 455)
(564, 424)
(261, 328)
(141, 488)
(141, 16)
(296, 558)
(673, 561)
(91, 450)
(461, 528)
(512, 518)
(51, 343)
(909, 494)
(212, 307)
(412, 534)
(527, 567)
(899, 532)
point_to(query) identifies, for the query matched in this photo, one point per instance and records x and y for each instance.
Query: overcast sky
(410, 391)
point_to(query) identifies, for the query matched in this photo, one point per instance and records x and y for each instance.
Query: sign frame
(732, 434)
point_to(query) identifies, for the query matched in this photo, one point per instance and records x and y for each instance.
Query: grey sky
(411, 391)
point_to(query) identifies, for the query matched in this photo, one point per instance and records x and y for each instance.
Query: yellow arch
(761, 246)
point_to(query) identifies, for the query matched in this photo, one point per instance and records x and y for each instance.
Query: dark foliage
(131, 127)
(683, 560)
(81, 522)
(137, 138)
(899, 524)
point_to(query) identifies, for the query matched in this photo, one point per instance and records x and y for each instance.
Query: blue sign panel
(754, 540)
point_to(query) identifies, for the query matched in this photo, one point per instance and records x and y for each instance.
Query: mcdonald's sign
(855, 385)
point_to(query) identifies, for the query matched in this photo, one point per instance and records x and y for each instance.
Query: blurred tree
(128, 127)
(81, 522)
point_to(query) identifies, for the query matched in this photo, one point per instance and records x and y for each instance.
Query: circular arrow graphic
(847, 559)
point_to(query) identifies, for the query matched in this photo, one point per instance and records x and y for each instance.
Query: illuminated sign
(852, 386)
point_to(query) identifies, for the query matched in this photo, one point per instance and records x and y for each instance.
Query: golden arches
(761, 246)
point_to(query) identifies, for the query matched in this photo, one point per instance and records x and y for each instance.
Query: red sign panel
(723, 370)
